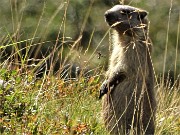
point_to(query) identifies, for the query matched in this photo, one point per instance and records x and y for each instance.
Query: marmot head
(127, 20)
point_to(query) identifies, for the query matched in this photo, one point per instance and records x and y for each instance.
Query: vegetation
(52, 61)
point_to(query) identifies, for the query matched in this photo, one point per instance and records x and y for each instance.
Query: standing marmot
(129, 101)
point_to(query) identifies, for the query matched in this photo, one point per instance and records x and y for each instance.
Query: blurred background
(44, 26)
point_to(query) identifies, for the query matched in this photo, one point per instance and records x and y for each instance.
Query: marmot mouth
(111, 18)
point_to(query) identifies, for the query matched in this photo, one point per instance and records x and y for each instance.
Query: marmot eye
(125, 12)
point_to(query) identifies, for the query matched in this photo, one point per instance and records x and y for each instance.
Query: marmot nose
(110, 17)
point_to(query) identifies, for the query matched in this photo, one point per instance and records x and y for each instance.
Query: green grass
(49, 105)
(168, 112)
(55, 106)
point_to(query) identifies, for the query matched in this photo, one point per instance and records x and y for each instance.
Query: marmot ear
(142, 15)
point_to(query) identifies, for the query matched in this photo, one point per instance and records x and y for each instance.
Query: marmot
(129, 103)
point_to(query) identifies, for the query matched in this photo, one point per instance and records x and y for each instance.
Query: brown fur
(129, 103)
